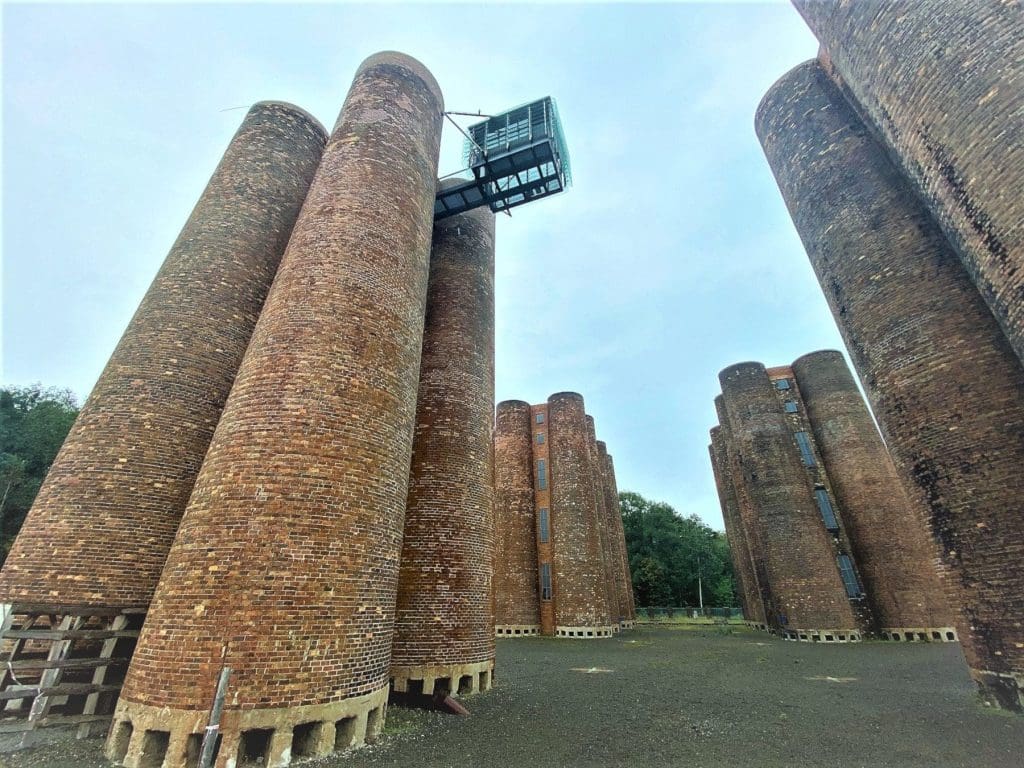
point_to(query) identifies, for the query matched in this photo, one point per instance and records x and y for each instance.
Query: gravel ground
(678, 696)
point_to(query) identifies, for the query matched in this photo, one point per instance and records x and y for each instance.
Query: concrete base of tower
(821, 635)
(1000, 689)
(157, 736)
(455, 679)
(585, 633)
(516, 630)
(919, 634)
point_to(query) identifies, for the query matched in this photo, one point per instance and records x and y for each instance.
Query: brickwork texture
(941, 83)
(444, 613)
(617, 536)
(516, 598)
(807, 592)
(755, 572)
(895, 557)
(944, 383)
(578, 566)
(604, 528)
(103, 522)
(286, 562)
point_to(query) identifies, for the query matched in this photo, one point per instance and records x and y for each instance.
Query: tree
(33, 424)
(673, 559)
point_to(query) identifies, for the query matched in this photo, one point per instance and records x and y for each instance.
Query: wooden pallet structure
(63, 669)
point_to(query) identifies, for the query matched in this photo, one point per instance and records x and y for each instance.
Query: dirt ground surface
(689, 696)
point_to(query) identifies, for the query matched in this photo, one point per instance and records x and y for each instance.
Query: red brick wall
(894, 555)
(753, 567)
(616, 535)
(941, 81)
(818, 478)
(578, 568)
(748, 519)
(516, 597)
(286, 562)
(542, 499)
(101, 527)
(738, 552)
(806, 590)
(612, 491)
(945, 385)
(444, 613)
(604, 527)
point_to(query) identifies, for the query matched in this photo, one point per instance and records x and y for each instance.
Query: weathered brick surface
(746, 583)
(604, 527)
(894, 555)
(818, 479)
(941, 82)
(102, 524)
(286, 562)
(616, 535)
(541, 442)
(516, 596)
(755, 572)
(806, 589)
(613, 487)
(444, 613)
(945, 385)
(578, 565)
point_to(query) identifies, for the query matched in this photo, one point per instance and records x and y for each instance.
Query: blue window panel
(540, 438)
(543, 526)
(825, 507)
(540, 418)
(849, 576)
(545, 581)
(806, 453)
(791, 406)
(542, 475)
(782, 384)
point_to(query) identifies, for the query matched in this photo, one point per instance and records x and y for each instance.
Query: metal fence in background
(681, 613)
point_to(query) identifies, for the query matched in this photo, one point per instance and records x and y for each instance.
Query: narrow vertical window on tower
(545, 581)
(849, 576)
(781, 384)
(543, 525)
(805, 449)
(791, 406)
(540, 438)
(828, 514)
(540, 418)
(542, 475)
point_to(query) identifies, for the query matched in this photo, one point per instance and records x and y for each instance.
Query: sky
(670, 258)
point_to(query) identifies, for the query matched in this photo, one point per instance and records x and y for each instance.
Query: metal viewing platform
(513, 158)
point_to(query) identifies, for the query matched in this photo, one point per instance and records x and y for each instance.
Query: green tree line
(33, 424)
(669, 555)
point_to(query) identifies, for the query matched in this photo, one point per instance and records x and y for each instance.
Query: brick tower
(759, 590)
(516, 599)
(604, 529)
(739, 554)
(941, 83)
(444, 626)
(613, 489)
(582, 609)
(544, 536)
(93, 545)
(753, 568)
(889, 538)
(945, 385)
(808, 599)
(285, 566)
(616, 535)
